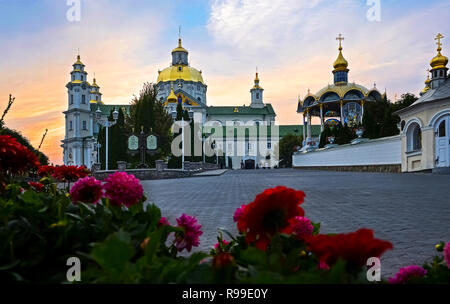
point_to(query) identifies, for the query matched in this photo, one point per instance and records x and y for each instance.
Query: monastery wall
(378, 155)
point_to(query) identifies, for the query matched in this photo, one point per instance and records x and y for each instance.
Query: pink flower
(224, 243)
(87, 190)
(300, 226)
(447, 254)
(191, 234)
(238, 213)
(163, 222)
(123, 189)
(323, 266)
(406, 273)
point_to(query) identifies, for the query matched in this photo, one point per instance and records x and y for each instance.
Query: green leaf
(316, 228)
(254, 256)
(113, 254)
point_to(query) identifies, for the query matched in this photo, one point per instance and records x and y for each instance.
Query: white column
(309, 125)
(342, 113)
(77, 125)
(304, 126)
(182, 143)
(362, 110)
(321, 117)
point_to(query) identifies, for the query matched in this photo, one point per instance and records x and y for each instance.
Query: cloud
(117, 48)
(293, 44)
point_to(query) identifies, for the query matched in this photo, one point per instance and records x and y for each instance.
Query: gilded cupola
(341, 63)
(172, 97)
(439, 61)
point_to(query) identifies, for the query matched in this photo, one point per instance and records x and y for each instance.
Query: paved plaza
(410, 210)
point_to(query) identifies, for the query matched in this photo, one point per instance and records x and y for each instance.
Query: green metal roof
(106, 109)
(242, 110)
(297, 130)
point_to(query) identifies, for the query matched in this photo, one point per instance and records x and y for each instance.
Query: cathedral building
(177, 84)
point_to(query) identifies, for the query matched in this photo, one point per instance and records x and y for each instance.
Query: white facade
(425, 125)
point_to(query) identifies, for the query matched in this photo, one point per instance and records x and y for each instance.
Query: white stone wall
(383, 151)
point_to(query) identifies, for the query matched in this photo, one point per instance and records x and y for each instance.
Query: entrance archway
(249, 164)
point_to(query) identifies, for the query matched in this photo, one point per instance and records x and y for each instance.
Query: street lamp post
(106, 123)
(182, 143)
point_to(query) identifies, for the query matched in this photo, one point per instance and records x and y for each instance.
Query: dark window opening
(442, 131)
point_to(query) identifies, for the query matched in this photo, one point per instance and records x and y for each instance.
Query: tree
(379, 120)
(150, 113)
(324, 135)
(344, 134)
(286, 148)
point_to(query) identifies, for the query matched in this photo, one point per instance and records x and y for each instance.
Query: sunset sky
(292, 42)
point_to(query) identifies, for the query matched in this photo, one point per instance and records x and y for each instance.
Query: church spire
(340, 65)
(257, 93)
(438, 65)
(180, 54)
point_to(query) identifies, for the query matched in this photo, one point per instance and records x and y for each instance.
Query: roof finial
(179, 36)
(438, 39)
(340, 38)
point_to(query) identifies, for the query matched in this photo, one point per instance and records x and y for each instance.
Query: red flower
(46, 170)
(354, 248)
(222, 259)
(269, 214)
(14, 157)
(69, 173)
(38, 187)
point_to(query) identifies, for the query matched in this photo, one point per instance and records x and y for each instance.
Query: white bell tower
(78, 143)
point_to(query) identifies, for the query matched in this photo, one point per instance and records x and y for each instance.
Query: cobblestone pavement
(410, 210)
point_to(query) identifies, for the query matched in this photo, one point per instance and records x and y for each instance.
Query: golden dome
(179, 48)
(172, 97)
(426, 89)
(439, 61)
(340, 64)
(428, 80)
(182, 72)
(94, 84)
(78, 61)
(256, 86)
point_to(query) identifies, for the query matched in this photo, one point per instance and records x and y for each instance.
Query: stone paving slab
(410, 210)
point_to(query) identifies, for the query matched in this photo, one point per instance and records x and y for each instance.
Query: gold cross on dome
(340, 38)
(438, 38)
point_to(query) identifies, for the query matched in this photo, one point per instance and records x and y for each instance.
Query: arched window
(414, 138)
